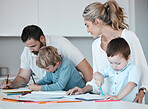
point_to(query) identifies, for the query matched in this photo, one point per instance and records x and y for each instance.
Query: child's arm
(99, 79)
(127, 89)
(45, 80)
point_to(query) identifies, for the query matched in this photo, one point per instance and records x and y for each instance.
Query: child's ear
(128, 57)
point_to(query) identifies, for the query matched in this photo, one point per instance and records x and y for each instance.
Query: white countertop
(78, 105)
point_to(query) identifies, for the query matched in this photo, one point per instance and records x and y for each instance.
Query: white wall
(11, 48)
(141, 23)
(141, 26)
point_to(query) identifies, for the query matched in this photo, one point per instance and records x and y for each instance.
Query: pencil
(9, 100)
(33, 78)
(7, 81)
(101, 91)
(106, 100)
(24, 85)
(68, 101)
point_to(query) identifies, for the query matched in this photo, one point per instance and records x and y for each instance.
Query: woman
(106, 22)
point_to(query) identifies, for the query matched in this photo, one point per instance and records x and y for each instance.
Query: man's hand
(4, 84)
(139, 97)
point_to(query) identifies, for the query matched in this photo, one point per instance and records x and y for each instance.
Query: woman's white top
(137, 57)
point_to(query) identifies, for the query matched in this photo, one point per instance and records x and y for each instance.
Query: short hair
(31, 31)
(110, 13)
(118, 46)
(47, 55)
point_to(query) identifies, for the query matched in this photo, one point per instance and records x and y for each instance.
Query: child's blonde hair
(47, 56)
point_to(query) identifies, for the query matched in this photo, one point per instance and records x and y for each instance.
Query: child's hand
(108, 97)
(99, 79)
(35, 87)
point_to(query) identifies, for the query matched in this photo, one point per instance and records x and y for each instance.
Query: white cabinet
(55, 17)
(63, 17)
(58, 17)
(15, 15)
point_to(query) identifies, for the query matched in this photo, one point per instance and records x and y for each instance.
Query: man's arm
(86, 70)
(22, 78)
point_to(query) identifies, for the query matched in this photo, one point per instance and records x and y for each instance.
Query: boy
(123, 75)
(60, 72)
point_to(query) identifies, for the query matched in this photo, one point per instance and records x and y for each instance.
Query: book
(15, 91)
(87, 97)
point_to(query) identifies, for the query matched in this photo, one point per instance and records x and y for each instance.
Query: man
(33, 37)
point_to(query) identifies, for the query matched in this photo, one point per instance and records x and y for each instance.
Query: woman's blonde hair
(109, 12)
(47, 56)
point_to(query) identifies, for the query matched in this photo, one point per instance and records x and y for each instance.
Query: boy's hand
(99, 79)
(108, 97)
(35, 87)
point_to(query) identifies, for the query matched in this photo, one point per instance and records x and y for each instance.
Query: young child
(60, 72)
(123, 75)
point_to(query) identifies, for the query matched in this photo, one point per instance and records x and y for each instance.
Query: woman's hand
(75, 91)
(35, 87)
(139, 97)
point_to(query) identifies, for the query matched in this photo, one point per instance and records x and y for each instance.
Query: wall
(141, 23)
(141, 26)
(11, 48)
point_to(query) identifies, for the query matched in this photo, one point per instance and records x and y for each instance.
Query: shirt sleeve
(95, 88)
(25, 59)
(105, 72)
(71, 52)
(134, 75)
(61, 83)
(46, 79)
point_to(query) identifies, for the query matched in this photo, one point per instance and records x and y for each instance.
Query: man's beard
(36, 52)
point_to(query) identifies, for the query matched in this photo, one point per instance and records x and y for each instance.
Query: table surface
(78, 105)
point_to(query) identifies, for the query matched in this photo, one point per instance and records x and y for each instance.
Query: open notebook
(61, 95)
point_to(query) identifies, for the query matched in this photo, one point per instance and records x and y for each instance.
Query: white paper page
(45, 95)
(62, 93)
(86, 96)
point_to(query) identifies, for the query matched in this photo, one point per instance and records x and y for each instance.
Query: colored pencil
(33, 78)
(101, 91)
(24, 85)
(7, 81)
(106, 100)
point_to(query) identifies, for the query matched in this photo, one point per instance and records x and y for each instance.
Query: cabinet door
(63, 17)
(15, 15)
